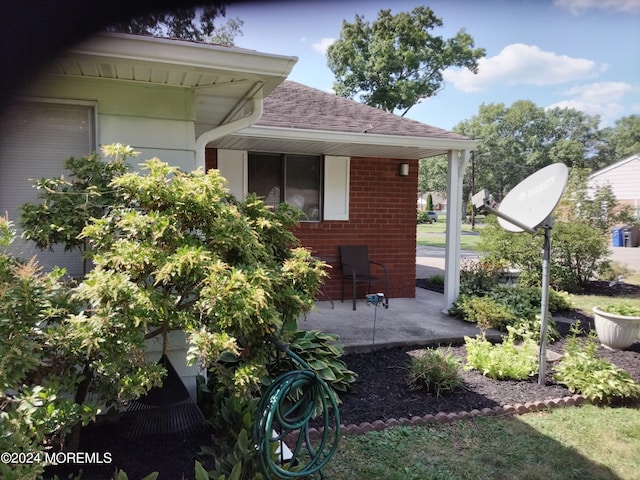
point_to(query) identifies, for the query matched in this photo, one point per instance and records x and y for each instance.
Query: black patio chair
(356, 269)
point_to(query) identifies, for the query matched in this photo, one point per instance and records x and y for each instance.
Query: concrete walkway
(410, 321)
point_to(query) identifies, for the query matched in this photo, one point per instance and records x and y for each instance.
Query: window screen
(35, 140)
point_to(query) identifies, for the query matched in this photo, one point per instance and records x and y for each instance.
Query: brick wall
(382, 215)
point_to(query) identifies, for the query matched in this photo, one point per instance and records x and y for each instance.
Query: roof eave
(411, 146)
(183, 53)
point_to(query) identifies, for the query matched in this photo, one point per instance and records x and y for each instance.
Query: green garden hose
(288, 406)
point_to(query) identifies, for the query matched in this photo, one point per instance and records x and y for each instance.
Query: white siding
(624, 179)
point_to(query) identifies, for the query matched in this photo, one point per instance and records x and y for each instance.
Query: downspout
(224, 129)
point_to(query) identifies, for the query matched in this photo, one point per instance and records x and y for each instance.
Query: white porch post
(457, 162)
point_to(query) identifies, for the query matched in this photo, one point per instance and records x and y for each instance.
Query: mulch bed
(380, 393)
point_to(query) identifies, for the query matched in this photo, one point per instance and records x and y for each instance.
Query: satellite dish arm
(481, 200)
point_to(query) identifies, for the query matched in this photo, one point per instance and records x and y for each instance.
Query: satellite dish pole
(527, 208)
(544, 299)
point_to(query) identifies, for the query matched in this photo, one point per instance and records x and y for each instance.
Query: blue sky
(576, 53)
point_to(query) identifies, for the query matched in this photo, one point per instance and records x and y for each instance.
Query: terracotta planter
(616, 331)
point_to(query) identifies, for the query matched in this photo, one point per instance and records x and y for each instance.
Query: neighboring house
(438, 201)
(200, 105)
(624, 179)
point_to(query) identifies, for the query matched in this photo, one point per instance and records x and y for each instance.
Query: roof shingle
(297, 106)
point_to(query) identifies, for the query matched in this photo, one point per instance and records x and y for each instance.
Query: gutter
(257, 103)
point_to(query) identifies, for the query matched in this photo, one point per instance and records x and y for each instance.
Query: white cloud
(601, 98)
(520, 64)
(322, 45)
(579, 6)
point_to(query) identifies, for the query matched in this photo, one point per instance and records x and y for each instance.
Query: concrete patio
(407, 321)
(410, 321)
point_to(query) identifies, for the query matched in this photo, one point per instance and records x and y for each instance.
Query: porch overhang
(316, 142)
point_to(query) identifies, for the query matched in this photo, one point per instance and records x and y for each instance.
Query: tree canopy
(185, 23)
(516, 141)
(396, 61)
(623, 139)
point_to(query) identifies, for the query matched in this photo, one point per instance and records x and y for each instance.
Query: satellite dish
(533, 199)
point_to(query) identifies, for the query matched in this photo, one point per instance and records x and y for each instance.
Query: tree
(185, 23)
(518, 140)
(580, 238)
(395, 62)
(622, 140)
(432, 175)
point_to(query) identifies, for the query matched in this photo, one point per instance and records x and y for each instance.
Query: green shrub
(579, 252)
(614, 270)
(437, 279)
(582, 371)
(504, 360)
(559, 301)
(476, 278)
(530, 328)
(423, 217)
(487, 313)
(435, 371)
(511, 305)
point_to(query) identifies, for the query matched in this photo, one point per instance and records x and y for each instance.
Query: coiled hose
(288, 406)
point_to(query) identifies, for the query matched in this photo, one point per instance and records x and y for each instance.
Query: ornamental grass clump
(582, 371)
(436, 372)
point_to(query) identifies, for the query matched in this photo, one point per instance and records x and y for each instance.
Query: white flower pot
(616, 331)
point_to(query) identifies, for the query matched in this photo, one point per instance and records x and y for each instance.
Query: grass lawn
(586, 302)
(566, 443)
(432, 234)
(467, 242)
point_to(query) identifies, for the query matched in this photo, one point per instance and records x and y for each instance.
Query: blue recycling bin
(618, 238)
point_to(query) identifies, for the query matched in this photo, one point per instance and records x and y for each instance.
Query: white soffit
(274, 139)
(226, 77)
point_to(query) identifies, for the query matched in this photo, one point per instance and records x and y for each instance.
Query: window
(295, 179)
(37, 137)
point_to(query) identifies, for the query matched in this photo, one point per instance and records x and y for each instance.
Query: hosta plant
(583, 371)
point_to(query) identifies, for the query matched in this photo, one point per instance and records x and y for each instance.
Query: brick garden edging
(517, 409)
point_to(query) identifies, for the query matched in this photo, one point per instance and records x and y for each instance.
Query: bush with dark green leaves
(503, 306)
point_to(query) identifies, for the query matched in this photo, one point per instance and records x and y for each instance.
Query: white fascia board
(185, 53)
(280, 133)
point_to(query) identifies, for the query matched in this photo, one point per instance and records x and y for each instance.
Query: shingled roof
(300, 119)
(293, 105)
